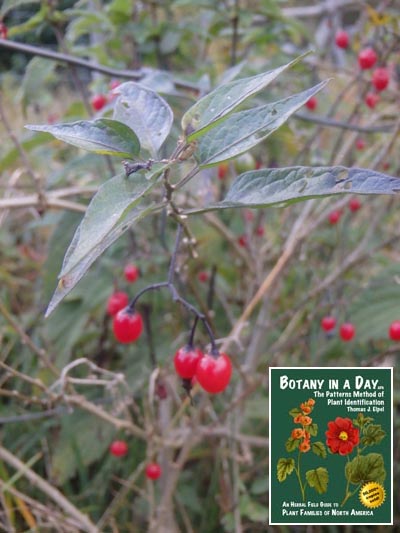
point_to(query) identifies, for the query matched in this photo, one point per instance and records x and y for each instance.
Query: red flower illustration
(342, 436)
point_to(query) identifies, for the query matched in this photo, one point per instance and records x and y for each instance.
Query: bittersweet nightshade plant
(213, 130)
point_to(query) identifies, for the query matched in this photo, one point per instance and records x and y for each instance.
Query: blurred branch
(72, 60)
(51, 492)
(325, 121)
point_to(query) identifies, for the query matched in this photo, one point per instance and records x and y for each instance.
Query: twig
(72, 60)
(51, 492)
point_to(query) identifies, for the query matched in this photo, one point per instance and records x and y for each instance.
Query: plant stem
(299, 478)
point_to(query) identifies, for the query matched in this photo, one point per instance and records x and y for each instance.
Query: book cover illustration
(331, 447)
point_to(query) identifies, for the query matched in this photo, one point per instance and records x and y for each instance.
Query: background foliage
(67, 388)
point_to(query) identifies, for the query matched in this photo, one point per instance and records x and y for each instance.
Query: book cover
(331, 448)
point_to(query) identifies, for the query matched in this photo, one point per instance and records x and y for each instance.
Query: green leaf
(102, 136)
(284, 468)
(283, 186)
(242, 131)
(372, 434)
(145, 112)
(83, 439)
(213, 107)
(365, 468)
(292, 444)
(112, 211)
(319, 449)
(313, 429)
(38, 72)
(294, 412)
(374, 308)
(28, 144)
(253, 510)
(318, 479)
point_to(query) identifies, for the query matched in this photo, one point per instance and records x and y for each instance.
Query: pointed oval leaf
(213, 107)
(242, 131)
(118, 204)
(283, 186)
(102, 136)
(145, 112)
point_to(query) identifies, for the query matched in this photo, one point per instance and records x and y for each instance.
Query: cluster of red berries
(98, 101)
(211, 370)
(367, 59)
(346, 330)
(335, 215)
(127, 323)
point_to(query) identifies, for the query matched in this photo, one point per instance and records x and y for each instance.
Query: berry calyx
(367, 58)
(328, 323)
(380, 78)
(371, 99)
(213, 372)
(98, 101)
(360, 144)
(354, 204)
(223, 169)
(202, 276)
(312, 103)
(131, 273)
(334, 216)
(394, 330)
(153, 471)
(342, 39)
(127, 325)
(347, 331)
(117, 301)
(186, 360)
(118, 448)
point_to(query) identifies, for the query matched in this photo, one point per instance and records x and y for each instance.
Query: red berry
(347, 331)
(3, 30)
(334, 216)
(342, 39)
(360, 144)
(222, 170)
(243, 241)
(119, 448)
(213, 373)
(367, 58)
(98, 101)
(202, 276)
(328, 323)
(186, 360)
(153, 471)
(354, 204)
(131, 273)
(260, 231)
(127, 325)
(380, 78)
(116, 302)
(258, 165)
(394, 330)
(312, 103)
(371, 99)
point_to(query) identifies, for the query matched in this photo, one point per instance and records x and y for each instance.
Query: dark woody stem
(177, 297)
